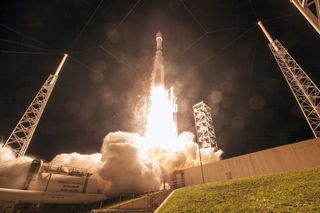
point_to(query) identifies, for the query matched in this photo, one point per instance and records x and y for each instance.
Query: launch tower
(310, 9)
(21, 136)
(204, 127)
(306, 93)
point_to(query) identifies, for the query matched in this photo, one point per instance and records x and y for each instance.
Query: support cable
(196, 41)
(122, 20)
(28, 53)
(21, 34)
(252, 62)
(280, 17)
(85, 50)
(21, 44)
(193, 16)
(85, 66)
(253, 10)
(193, 43)
(223, 48)
(88, 22)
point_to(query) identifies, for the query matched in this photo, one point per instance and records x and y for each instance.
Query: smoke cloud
(125, 163)
(13, 170)
(125, 166)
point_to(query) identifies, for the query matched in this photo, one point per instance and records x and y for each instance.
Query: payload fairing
(157, 76)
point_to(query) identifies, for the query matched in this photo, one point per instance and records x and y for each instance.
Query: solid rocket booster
(158, 71)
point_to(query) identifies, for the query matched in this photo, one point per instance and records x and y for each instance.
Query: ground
(286, 192)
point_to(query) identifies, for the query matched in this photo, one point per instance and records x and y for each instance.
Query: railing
(66, 170)
(147, 203)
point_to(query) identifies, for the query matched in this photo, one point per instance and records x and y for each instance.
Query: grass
(285, 192)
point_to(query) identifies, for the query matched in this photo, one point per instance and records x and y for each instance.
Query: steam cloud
(123, 165)
(13, 170)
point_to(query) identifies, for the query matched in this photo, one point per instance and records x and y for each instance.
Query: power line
(122, 20)
(88, 21)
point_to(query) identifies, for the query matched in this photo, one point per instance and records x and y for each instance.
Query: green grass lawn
(285, 192)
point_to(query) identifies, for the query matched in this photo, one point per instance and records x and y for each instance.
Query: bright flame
(161, 130)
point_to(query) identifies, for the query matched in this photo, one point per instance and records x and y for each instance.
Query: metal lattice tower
(21, 136)
(306, 93)
(204, 128)
(310, 9)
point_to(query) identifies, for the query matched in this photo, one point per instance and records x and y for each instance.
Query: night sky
(213, 51)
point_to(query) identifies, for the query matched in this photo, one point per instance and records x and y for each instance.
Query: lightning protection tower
(21, 136)
(310, 9)
(204, 128)
(306, 93)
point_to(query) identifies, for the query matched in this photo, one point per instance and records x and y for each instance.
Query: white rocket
(157, 76)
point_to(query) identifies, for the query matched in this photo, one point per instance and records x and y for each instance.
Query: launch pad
(46, 184)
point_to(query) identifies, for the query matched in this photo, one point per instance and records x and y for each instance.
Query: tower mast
(306, 93)
(21, 136)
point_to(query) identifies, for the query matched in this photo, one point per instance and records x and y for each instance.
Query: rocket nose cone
(159, 35)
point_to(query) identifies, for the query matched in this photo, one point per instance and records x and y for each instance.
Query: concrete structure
(46, 184)
(297, 156)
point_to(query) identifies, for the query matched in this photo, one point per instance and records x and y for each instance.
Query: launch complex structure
(48, 183)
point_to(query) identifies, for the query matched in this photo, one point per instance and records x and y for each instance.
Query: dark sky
(213, 50)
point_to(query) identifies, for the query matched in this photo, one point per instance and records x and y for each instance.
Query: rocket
(157, 76)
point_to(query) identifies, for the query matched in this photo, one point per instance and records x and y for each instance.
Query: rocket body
(158, 68)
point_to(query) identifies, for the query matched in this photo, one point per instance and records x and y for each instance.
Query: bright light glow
(161, 130)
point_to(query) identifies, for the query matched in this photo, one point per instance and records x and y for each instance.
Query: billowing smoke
(125, 166)
(125, 163)
(13, 171)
